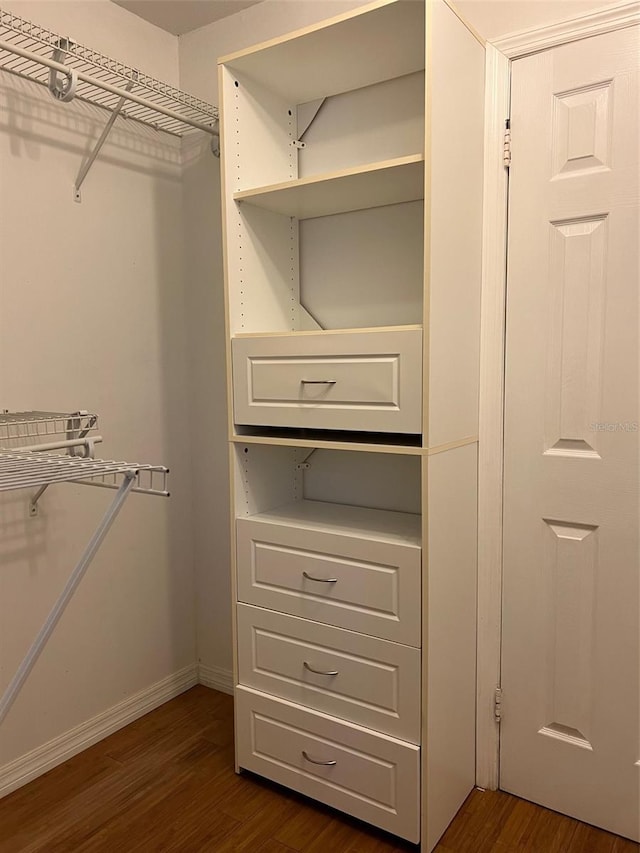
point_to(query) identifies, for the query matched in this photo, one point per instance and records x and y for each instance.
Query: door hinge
(497, 711)
(506, 145)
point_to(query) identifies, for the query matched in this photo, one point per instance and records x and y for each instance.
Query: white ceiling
(182, 16)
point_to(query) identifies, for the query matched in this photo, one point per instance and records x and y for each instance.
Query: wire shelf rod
(102, 84)
(29, 470)
(27, 460)
(86, 443)
(36, 38)
(20, 426)
(34, 462)
(21, 477)
(139, 488)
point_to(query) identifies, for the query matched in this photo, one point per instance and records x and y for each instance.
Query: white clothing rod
(61, 445)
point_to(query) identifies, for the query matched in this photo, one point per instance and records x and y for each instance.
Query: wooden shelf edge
(300, 184)
(303, 31)
(329, 444)
(383, 525)
(416, 327)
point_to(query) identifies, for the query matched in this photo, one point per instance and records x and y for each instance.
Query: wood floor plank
(41, 799)
(305, 824)
(179, 835)
(245, 799)
(588, 839)
(257, 830)
(484, 814)
(549, 834)
(518, 824)
(166, 784)
(335, 836)
(272, 846)
(173, 810)
(371, 844)
(623, 845)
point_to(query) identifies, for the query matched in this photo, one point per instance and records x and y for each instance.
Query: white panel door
(571, 632)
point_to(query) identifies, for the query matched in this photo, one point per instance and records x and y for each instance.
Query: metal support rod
(61, 445)
(102, 84)
(33, 503)
(15, 685)
(84, 170)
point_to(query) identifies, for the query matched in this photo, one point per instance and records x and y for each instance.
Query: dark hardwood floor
(166, 783)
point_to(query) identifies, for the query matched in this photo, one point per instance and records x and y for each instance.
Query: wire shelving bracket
(71, 70)
(27, 440)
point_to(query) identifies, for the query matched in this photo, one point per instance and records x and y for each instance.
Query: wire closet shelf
(35, 52)
(26, 461)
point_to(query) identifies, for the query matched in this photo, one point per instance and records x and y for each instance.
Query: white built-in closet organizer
(352, 184)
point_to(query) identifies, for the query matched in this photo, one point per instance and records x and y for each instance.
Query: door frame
(499, 56)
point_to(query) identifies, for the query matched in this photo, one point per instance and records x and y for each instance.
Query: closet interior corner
(345, 453)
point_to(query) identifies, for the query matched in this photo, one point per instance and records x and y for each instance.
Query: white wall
(92, 315)
(496, 18)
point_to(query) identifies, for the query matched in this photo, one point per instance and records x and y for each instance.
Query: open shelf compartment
(374, 185)
(379, 41)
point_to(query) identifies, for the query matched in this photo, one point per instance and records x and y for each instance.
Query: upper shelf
(379, 41)
(25, 465)
(27, 470)
(28, 50)
(373, 185)
(25, 428)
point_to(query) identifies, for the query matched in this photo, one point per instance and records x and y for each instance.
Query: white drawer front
(368, 586)
(363, 679)
(373, 777)
(367, 381)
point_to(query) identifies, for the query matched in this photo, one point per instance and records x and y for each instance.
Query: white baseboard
(216, 677)
(44, 758)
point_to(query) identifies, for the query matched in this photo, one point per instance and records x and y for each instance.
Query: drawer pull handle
(313, 760)
(318, 381)
(319, 580)
(320, 671)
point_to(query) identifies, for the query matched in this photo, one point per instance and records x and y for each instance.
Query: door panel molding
(605, 20)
